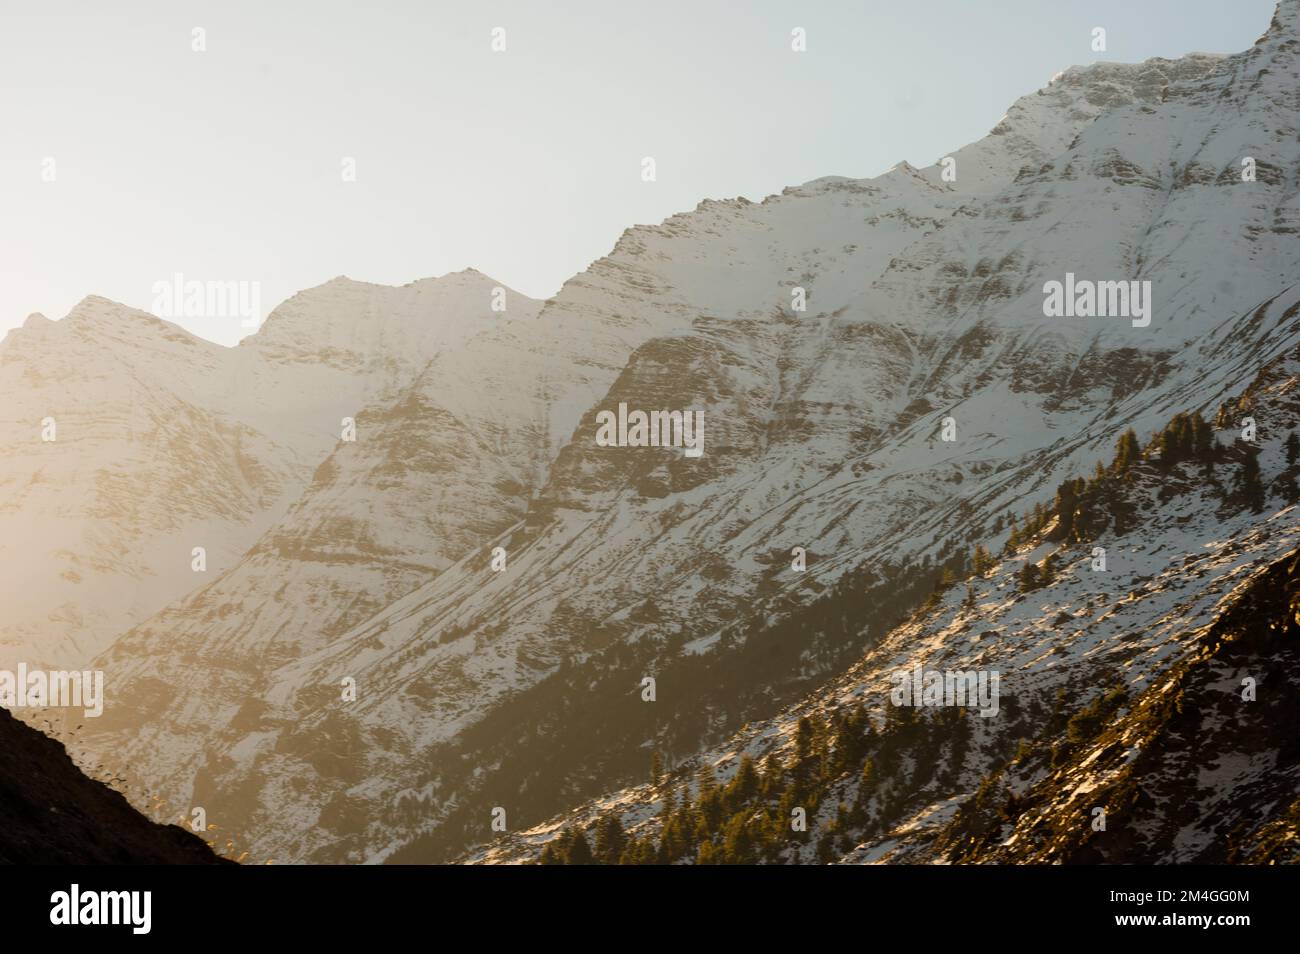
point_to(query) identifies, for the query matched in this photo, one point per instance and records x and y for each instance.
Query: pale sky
(225, 165)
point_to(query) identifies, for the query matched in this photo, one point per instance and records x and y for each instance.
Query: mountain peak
(96, 310)
(457, 278)
(1285, 22)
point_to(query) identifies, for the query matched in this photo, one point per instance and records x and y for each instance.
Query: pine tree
(708, 804)
(1127, 452)
(1067, 501)
(1252, 488)
(706, 782)
(826, 847)
(551, 854)
(669, 807)
(1028, 577)
(803, 739)
(638, 852)
(866, 788)
(579, 852)
(611, 840)
(656, 767)
(744, 787)
(1169, 444)
(1292, 449)
(946, 579)
(1048, 576)
(852, 739)
(1203, 442)
(773, 773)
(738, 842)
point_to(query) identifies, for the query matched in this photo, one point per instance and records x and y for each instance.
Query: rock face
(371, 561)
(50, 813)
(131, 442)
(1145, 711)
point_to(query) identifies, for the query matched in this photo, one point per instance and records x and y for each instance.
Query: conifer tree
(1252, 488)
(744, 787)
(803, 739)
(611, 840)
(1203, 442)
(579, 852)
(1028, 577)
(551, 854)
(773, 771)
(1127, 452)
(1067, 500)
(1049, 571)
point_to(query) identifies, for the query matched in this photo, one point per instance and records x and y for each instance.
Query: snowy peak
(107, 323)
(133, 442)
(832, 336)
(453, 287)
(1284, 29)
(1042, 124)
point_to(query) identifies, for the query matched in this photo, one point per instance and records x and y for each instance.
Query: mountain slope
(925, 302)
(50, 813)
(163, 442)
(1122, 690)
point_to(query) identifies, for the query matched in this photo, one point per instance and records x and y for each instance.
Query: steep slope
(1122, 689)
(50, 813)
(447, 461)
(1193, 773)
(822, 430)
(118, 464)
(838, 453)
(163, 442)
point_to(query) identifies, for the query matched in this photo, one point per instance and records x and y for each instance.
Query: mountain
(163, 442)
(1158, 689)
(50, 813)
(481, 686)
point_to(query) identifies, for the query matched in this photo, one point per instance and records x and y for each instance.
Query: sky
(227, 164)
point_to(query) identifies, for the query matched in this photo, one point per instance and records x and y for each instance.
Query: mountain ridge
(823, 430)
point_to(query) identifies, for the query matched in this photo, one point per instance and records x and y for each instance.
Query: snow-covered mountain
(131, 442)
(1157, 687)
(479, 685)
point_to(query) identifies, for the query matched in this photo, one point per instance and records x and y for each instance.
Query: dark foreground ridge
(51, 813)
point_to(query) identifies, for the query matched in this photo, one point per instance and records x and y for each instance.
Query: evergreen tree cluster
(1087, 507)
(749, 819)
(867, 775)
(1187, 437)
